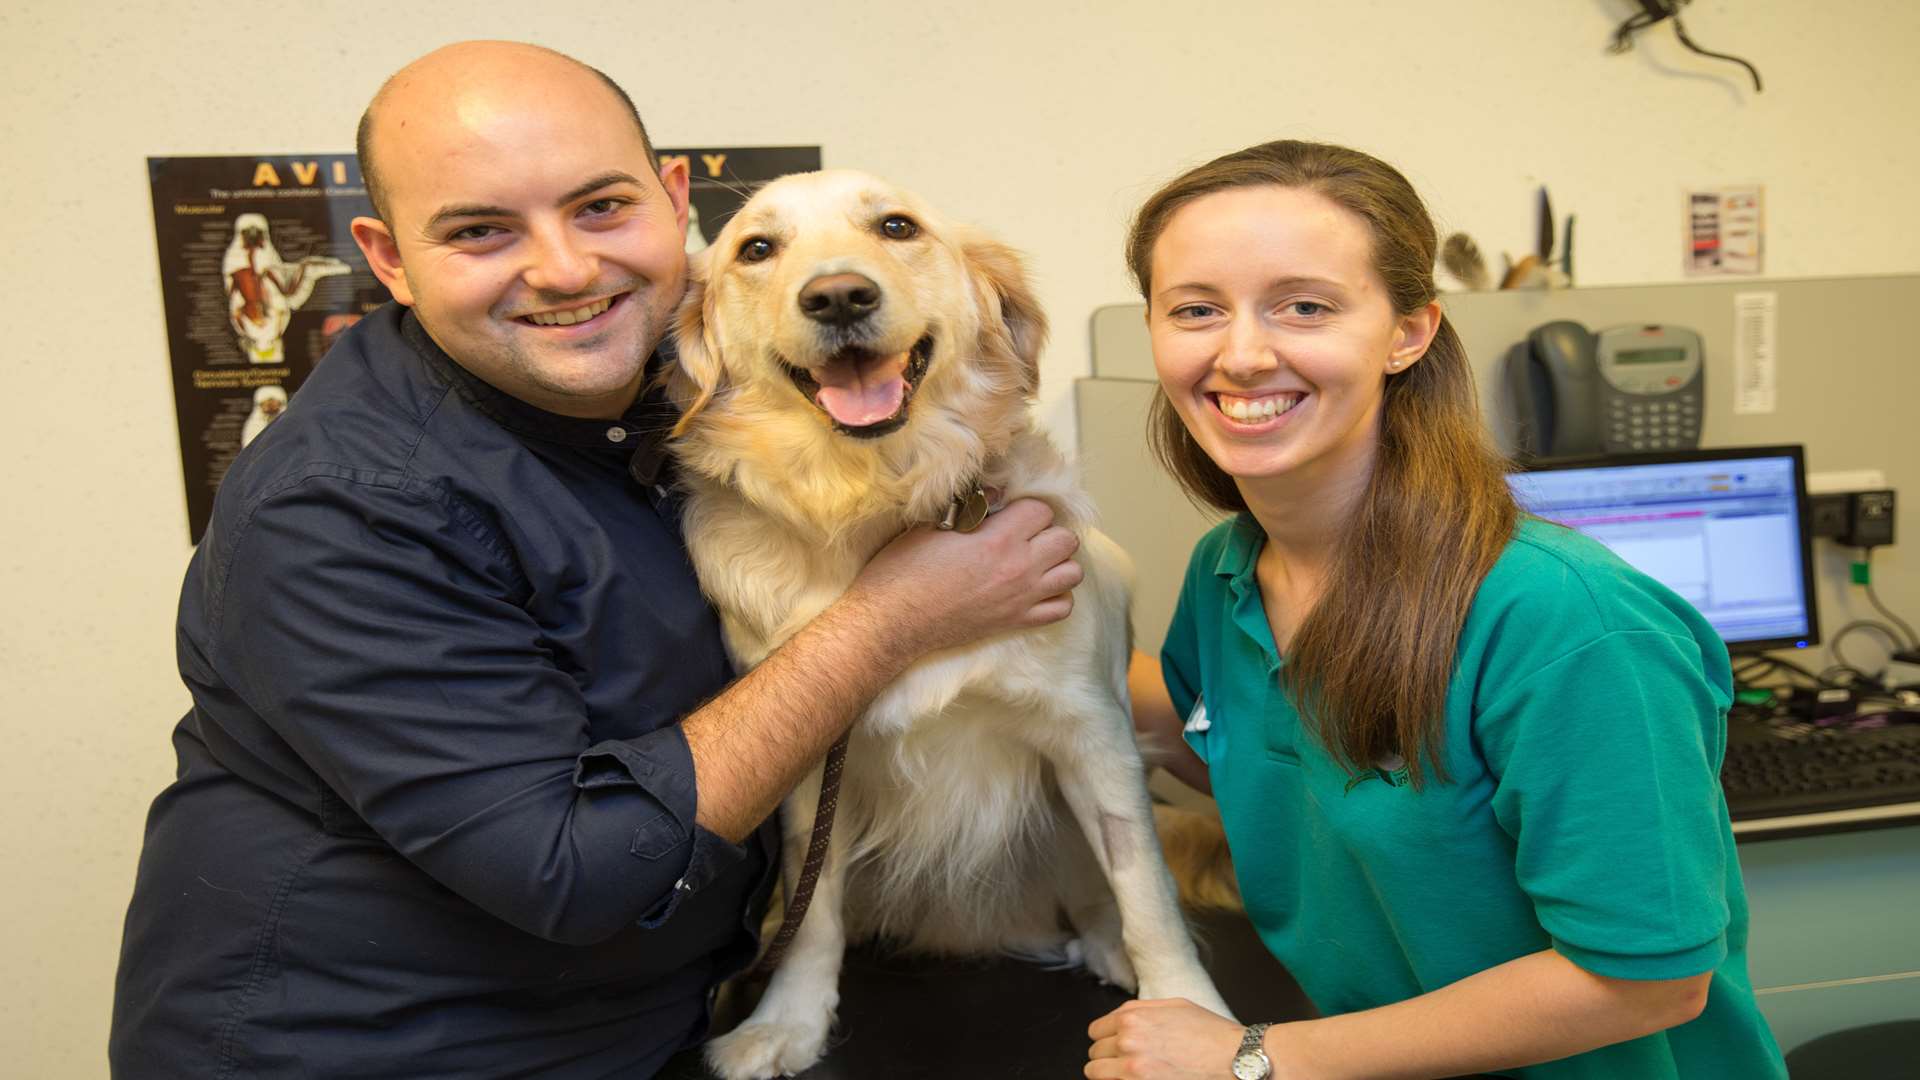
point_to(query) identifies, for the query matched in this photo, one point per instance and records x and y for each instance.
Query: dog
(847, 363)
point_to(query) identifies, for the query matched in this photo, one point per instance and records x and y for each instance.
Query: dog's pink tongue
(859, 394)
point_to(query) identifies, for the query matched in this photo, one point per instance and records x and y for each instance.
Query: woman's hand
(1170, 1039)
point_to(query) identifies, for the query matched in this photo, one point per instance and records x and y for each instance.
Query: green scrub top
(1585, 724)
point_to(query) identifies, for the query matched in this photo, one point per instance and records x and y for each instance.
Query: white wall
(1045, 122)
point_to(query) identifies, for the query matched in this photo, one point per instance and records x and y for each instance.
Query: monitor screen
(1726, 529)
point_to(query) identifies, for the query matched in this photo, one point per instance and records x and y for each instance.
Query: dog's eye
(900, 228)
(756, 249)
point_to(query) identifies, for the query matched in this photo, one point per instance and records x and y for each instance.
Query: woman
(1466, 759)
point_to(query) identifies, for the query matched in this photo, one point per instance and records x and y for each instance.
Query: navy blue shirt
(434, 813)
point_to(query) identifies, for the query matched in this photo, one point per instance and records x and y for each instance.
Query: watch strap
(1255, 1037)
(1255, 1040)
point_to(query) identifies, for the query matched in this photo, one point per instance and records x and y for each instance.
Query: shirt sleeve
(378, 627)
(1180, 659)
(1180, 665)
(1607, 779)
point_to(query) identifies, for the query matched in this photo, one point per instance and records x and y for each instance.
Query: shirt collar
(640, 431)
(1238, 554)
(1236, 563)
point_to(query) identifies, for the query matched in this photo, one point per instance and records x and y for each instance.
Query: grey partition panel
(1847, 362)
(1120, 349)
(1142, 509)
(1140, 505)
(1846, 377)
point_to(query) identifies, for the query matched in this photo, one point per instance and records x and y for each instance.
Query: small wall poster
(1726, 231)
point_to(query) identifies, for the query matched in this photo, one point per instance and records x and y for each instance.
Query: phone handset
(1553, 379)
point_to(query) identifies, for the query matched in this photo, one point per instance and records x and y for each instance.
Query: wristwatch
(1251, 1062)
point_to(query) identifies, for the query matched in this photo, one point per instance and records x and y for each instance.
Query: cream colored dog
(848, 363)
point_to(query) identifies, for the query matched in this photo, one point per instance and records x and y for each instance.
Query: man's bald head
(466, 62)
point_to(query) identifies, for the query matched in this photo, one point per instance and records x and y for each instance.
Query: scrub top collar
(1238, 553)
(1236, 564)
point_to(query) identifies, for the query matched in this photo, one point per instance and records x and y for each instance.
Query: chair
(1889, 1051)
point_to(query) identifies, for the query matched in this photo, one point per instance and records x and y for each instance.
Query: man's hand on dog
(948, 588)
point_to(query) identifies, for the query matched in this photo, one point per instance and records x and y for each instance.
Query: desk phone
(1652, 388)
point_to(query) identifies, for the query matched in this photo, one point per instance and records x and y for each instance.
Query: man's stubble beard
(655, 315)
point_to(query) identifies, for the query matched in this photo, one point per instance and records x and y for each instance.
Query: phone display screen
(1650, 356)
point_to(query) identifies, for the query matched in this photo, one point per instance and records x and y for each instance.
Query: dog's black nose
(839, 299)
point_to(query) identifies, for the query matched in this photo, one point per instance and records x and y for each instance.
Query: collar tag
(965, 511)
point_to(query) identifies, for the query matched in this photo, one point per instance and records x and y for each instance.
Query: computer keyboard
(1770, 773)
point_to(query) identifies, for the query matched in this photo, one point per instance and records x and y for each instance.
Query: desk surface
(1794, 825)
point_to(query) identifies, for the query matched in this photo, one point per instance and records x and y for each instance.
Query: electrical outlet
(1852, 518)
(1869, 519)
(1829, 515)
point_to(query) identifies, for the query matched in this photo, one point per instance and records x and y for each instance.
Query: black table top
(916, 1018)
(913, 1018)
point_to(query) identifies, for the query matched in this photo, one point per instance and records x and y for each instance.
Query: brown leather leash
(965, 512)
(810, 869)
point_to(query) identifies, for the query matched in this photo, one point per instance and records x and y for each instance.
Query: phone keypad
(1655, 422)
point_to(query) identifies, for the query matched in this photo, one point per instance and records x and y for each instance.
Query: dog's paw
(1106, 959)
(1200, 991)
(761, 1050)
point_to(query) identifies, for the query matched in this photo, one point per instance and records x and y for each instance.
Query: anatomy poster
(722, 179)
(258, 275)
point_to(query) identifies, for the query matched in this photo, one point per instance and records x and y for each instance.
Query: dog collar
(969, 507)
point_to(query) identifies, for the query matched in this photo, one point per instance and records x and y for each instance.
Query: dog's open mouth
(865, 393)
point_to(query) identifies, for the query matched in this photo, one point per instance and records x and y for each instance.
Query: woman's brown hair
(1370, 665)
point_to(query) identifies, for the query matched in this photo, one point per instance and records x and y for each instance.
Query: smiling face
(847, 355)
(843, 289)
(526, 226)
(1273, 336)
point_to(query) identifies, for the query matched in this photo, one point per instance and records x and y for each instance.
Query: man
(465, 790)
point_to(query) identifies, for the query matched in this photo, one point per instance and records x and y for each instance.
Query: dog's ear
(1001, 278)
(701, 368)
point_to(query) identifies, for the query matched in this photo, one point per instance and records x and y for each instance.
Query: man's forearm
(1536, 1008)
(755, 741)
(925, 591)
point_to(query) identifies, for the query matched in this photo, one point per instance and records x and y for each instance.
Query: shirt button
(616, 434)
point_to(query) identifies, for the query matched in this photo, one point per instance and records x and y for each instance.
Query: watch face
(1251, 1065)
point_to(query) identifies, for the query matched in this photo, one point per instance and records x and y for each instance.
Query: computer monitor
(1727, 529)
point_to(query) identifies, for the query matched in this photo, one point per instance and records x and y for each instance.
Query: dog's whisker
(740, 187)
